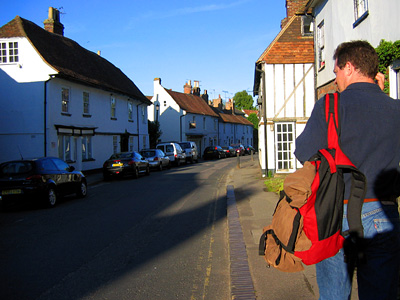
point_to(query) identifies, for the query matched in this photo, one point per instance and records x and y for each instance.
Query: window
(87, 147)
(321, 45)
(65, 147)
(9, 52)
(64, 100)
(360, 11)
(215, 124)
(115, 144)
(113, 107)
(144, 118)
(306, 25)
(284, 137)
(131, 144)
(204, 122)
(130, 110)
(85, 98)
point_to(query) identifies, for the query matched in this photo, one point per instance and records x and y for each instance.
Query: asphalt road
(161, 236)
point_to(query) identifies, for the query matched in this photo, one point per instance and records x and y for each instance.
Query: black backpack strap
(358, 179)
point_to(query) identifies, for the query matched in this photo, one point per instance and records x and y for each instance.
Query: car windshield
(17, 167)
(184, 145)
(148, 153)
(121, 155)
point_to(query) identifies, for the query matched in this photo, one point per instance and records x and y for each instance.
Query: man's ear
(349, 69)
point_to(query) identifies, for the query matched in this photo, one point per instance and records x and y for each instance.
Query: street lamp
(157, 109)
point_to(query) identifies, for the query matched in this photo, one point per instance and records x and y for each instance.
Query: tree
(253, 119)
(243, 100)
(387, 52)
(154, 133)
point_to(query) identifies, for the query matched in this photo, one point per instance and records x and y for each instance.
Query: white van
(191, 151)
(173, 151)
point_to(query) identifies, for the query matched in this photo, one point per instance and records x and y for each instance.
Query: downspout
(45, 116)
(264, 109)
(138, 132)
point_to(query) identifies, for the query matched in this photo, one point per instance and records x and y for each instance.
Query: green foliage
(243, 100)
(154, 133)
(387, 52)
(274, 184)
(253, 119)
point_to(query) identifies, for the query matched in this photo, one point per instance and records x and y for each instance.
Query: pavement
(249, 209)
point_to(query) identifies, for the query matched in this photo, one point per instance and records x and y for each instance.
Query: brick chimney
(205, 96)
(187, 88)
(230, 105)
(292, 7)
(53, 24)
(217, 103)
(196, 88)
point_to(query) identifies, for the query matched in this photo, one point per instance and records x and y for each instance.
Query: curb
(242, 286)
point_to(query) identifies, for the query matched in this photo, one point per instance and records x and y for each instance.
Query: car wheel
(51, 197)
(148, 170)
(160, 167)
(82, 191)
(136, 172)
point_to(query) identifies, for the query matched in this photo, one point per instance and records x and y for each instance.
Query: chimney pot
(53, 24)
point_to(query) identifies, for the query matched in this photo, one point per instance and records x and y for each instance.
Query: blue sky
(215, 42)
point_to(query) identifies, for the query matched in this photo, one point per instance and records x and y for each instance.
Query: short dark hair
(361, 55)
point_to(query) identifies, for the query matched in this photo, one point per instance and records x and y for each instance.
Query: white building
(343, 21)
(189, 117)
(284, 83)
(59, 99)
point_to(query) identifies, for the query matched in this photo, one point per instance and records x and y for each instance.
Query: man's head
(355, 61)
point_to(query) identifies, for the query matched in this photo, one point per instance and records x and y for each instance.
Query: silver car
(156, 158)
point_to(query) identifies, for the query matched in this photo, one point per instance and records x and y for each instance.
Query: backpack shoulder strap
(358, 181)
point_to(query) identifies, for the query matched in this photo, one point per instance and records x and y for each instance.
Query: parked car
(213, 152)
(249, 148)
(191, 151)
(42, 179)
(156, 158)
(239, 149)
(229, 151)
(175, 153)
(125, 163)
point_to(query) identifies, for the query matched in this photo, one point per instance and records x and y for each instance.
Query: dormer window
(307, 25)
(8, 52)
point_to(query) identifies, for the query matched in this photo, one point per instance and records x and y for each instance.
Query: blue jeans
(378, 276)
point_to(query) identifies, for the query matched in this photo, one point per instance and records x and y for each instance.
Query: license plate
(11, 192)
(210, 152)
(117, 165)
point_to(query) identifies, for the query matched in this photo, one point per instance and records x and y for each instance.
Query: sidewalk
(255, 207)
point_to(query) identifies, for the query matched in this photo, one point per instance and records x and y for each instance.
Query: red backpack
(307, 222)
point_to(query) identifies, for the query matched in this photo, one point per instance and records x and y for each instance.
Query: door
(284, 147)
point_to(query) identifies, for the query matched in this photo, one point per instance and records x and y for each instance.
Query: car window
(16, 168)
(148, 153)
(184, 145)
(61, 165)
(169, 148)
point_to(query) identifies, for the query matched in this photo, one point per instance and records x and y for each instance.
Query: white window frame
(67, 147)
(321, 45)
(360, 11)
(65, 99)
(86, 103)
(285, 161)
(130, 110)
(115, 143)
(113, 107)
(9, 52)
(87, 153)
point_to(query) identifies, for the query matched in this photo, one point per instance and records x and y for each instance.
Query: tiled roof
(72, 61)
(229, 118)
(192, 103)
(289, 46)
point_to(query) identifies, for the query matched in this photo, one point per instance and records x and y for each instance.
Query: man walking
(370, 137)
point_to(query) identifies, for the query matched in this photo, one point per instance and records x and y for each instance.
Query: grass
(274, 184)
